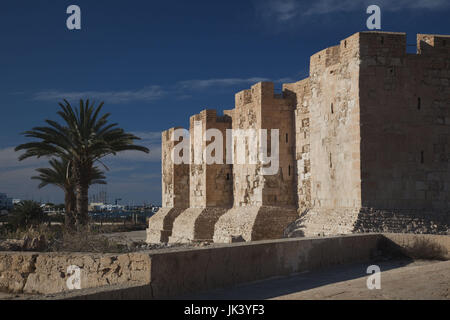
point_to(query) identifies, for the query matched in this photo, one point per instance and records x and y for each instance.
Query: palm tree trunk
(70, 202)
(81, 175)
(82, 202)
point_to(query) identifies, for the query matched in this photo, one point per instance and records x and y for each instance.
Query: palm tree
(84, 139)
(60, 175)
(27, 213)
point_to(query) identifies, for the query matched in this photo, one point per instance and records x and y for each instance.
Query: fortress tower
(364, 146)
(175, 190)
(263, 203)
(378, 139)
(210, 184)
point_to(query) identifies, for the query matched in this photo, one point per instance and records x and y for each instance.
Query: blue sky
(155, 63)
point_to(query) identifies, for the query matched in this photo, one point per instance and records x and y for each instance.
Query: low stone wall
(190, 271)
(47, 273)
(175, 273)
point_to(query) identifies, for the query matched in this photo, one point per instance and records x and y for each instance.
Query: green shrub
(426, 249)
(26, 214)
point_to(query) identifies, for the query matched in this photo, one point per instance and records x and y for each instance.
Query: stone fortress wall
(364, 145)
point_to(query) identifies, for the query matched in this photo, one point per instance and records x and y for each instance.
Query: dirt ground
(420, 282)
(128, 237)
(400, 280)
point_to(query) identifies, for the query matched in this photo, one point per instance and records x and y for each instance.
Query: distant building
(96, 206)
(5, 202)
(101, 207)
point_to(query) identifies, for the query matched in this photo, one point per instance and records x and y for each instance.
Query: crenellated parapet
(175, 177)
(435, 45)
(211, 182)
(362, 145)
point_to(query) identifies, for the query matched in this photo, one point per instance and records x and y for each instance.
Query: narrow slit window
(228, 176)
(332, 109)
(331, 163)
(289, 170)
(287, 138)
(419, 103)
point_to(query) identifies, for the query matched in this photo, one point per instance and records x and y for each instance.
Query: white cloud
(148, 136)
(16, 182)
(149, 139)
(288, 11)
(15, 177)
(329, 6)
(180, 90)
(125, 167)
(143, 177)
(410, 4)
(153, 156)
(225, 82)
(117, 169)
(149, 93)
(279, 10)
(9, 159)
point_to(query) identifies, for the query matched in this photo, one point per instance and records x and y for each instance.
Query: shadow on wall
(295, 229)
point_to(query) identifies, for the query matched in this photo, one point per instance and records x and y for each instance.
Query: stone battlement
(261, 91)
(378, 44)
(365, 139)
